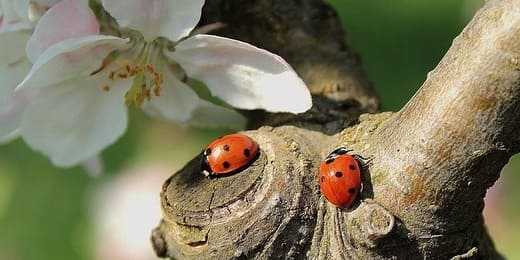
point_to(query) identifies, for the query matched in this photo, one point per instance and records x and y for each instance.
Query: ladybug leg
(206, 173)
(204, 167)
(363, 162)
(359, 157)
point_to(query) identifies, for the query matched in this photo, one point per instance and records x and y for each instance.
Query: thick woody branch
(431, 163)
(435, 159)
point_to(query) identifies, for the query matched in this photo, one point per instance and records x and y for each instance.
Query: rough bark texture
(431, 163)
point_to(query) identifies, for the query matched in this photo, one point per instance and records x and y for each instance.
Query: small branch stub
(379, 222)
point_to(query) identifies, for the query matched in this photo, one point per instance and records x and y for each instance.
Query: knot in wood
(379, 222)
(268, 210)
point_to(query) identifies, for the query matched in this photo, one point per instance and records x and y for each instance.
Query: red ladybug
(340, 177)
(228, 154)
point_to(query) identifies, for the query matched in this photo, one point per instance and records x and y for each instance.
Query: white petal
(10, 76)
(65, 20)
(15, 11)
(16, 27)
(178, 102)
(242, 75)
(12, 104)
(10, 45)
(172, 19)
(11, 113)
(69, 59)
(47, 3)
(75, 120)
(207, 114)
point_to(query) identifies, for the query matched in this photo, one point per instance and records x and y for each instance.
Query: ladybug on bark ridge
(340, 177)
(228, 154)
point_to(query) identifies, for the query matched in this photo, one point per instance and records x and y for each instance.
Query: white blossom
(81, 82)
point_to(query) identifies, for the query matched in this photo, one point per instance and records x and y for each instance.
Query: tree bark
(430, 163)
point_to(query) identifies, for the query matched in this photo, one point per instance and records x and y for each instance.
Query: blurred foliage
(399, 41)
(44, 210)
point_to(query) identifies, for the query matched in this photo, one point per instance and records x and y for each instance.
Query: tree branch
(431, 165)
(446, 147)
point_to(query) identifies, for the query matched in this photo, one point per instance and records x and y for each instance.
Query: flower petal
(70, 58)
(172, 19)
(14, 11)
(65, 20)
(47, 3)
(242, 75)
(10, 76)
(10, 42)
(178, 102)
(73, 121)
(207, 114)
(12, 104)
(11, 112)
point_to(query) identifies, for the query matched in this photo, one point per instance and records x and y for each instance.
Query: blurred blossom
(126, 209)
(494, 207)
(17, 20)
(73, 102)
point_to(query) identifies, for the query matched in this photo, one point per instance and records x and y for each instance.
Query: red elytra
(228, 154)
(340, 177)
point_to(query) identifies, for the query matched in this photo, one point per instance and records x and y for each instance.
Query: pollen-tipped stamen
(147, 80)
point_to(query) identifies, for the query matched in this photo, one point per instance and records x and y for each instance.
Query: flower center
(147, 81)
(144, 63)
(137, 63)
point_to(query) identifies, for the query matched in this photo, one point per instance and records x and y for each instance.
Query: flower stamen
(147, 80)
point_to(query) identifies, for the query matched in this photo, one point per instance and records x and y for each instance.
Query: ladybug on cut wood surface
(340, 177)
(228, 154)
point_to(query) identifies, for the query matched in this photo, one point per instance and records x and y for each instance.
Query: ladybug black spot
(247, 153)
(207, 152)
(226, 164)
(322, 179)
(339, 174)
(352, 167)
(352, 190)
(226, 148)
(329, 160)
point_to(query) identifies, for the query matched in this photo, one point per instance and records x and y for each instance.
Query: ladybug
(340, 177)
(228, 154)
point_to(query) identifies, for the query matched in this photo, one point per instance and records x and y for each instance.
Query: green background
(45, 211)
